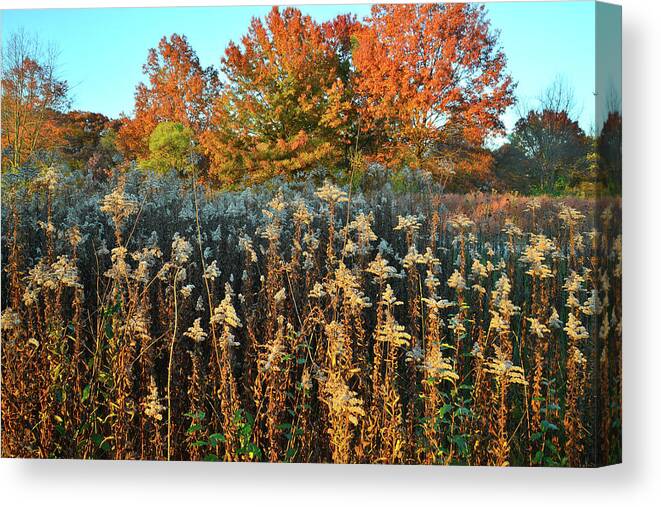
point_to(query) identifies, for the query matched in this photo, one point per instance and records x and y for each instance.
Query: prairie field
(146, 317)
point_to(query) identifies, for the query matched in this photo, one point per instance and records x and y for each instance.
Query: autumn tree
(431, 80)
(171, 148)
(549, 145)
(178, 89)
(286, 105)
(338, 34)
(547, 151)
(87, 140)
(32, 99)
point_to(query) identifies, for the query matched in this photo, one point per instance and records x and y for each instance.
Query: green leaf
(60, 429)
(86, 393)
(245, 430)
(550, 462)
(193, 428)
(195, 415)
(460, 442)
(216, 438)
(444, 410)
(210, 457)
(463, 411)
(548, 426)
(100, 442)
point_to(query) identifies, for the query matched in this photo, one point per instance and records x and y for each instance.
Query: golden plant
(151, 320)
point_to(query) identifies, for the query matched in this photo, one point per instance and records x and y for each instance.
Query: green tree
(171, 147)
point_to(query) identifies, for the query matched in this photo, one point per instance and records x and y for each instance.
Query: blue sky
(102, 50)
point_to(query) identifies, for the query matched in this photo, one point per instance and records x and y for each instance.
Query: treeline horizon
(422, 87)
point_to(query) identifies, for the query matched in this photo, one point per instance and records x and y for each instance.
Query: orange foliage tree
(432, 83)
(32, 100)
(286, 107)
(179, 90)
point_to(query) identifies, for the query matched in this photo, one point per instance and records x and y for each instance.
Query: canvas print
(376, 234)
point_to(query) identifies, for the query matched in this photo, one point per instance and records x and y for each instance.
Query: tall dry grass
(149, 319)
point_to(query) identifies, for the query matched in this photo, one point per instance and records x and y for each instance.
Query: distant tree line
(418, 86)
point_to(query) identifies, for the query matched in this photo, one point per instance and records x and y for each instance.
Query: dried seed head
(195, 332)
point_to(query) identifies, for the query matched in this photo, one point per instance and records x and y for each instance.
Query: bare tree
(558, 98)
